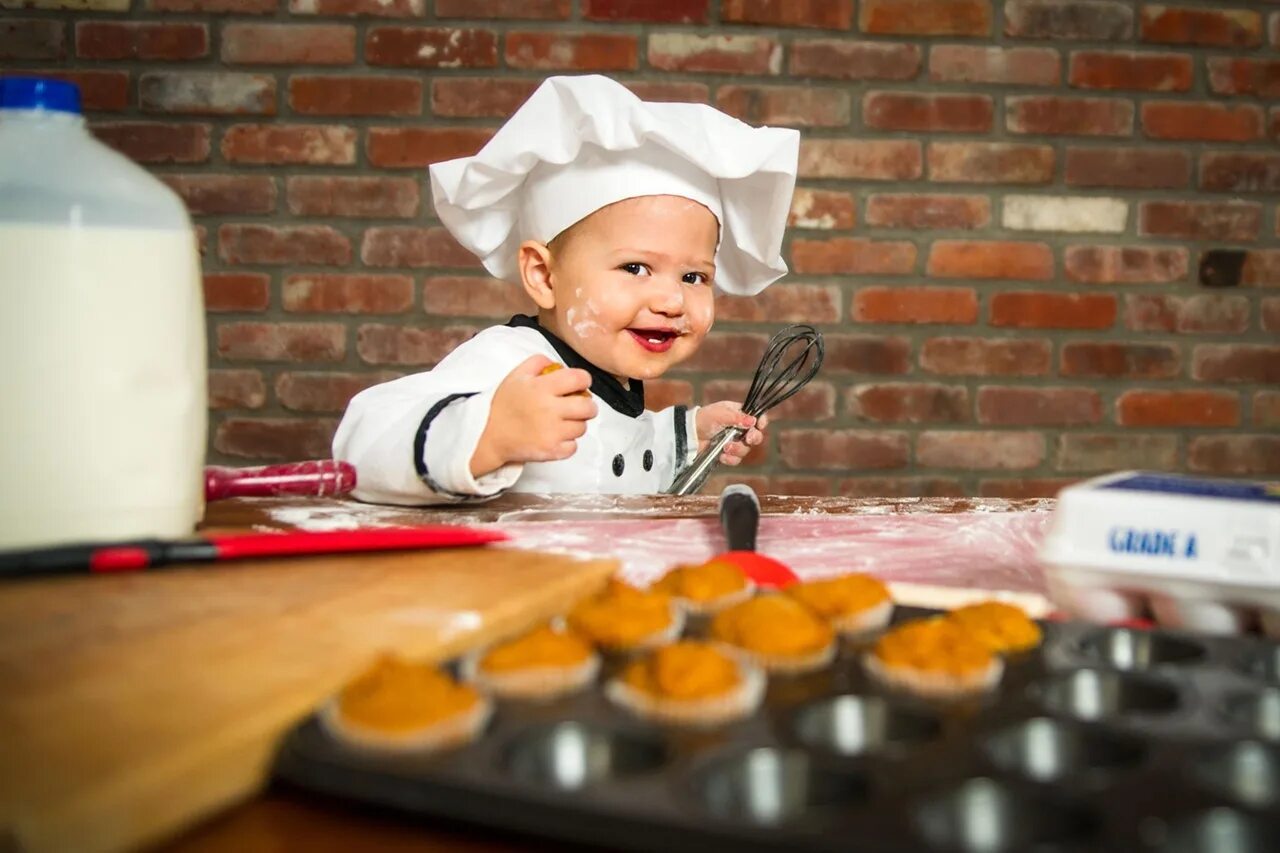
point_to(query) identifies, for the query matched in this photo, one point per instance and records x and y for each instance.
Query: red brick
(721, 348)
(815, 402)
(356, 96)
(859, 159)
(1266, 409)
(933, 212)
(152, 142)
(827, 210)
(1021, 310)
(1218, 221)
(288, 44)
(1210, 122)
(715, 54)
(925, 17)
(236, 389)
(1227, 171)
(1075, 21)
(1108, 360)
(1237, 363)
(842, 59)
(1149, 72)
(662, 394)
(1041, 114)
(1128, 168)
(1010, 451)
(472, 296)
(290, 144)
(466, 97)
(557, 51)
(282, 341)
(985, 357)
(670, 91)
(1202, 313)
(927, 113)
(956, 305)
(527, 9)
(324, 392)
(842, 450)
(1219, 28)
(645, 11)
(407, 345)
(990, 163)
(150, 42)
(207, 93)
(1234, 454)
(100, 91)
(791, 106)
(1015, 66)
(234, 7)
(782, 303)
(314, 245)
(1111, 452)
(871, 354)
(1124, 264)
(1270, 314)
(387, 198)
(824, 14)
(208, 195)
(338, 293)
(406, 246)
(1178, 409)
(852, 256)
(243, 292)
(914, 403)
(415, 147)
(202, 239)
(275, 439)
(431, 47)
(991, 259)
(1239, 76)
(1000, 406)
(29, 39)
(352, 8)
(1025, 489)
(902, 487)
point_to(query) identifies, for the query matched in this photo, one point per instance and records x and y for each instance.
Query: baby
(617, 217)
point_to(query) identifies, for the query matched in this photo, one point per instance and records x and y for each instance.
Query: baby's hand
(715, 417)
(536, 416)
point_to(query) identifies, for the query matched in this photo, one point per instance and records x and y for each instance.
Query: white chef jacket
(411, 440)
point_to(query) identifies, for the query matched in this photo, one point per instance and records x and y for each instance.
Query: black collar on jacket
(626, 401)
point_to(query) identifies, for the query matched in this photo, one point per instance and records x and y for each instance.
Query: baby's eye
(635, 268)
(694, 278)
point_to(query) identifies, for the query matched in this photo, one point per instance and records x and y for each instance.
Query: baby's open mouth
(655, 340)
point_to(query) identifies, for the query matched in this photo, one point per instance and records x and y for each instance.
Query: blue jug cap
(39, 93)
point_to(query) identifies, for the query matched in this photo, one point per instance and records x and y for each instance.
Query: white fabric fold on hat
(581, 143)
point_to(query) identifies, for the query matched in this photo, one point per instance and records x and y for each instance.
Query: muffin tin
(1101, 739)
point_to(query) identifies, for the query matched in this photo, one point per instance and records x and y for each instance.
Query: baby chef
(617, 216)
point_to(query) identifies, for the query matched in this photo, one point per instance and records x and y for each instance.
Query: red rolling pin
(319, 478)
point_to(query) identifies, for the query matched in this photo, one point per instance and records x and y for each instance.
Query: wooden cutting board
(132, 706)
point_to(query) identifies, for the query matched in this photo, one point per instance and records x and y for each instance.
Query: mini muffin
(396, 705)
(936, 658)
(706, 588)
(777, 632)
(623, 618)
(546, 662)
(552, 368)
(1003, 628)
(693, 682)
(853, 604)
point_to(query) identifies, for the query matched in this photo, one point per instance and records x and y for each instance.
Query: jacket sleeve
(676, 441)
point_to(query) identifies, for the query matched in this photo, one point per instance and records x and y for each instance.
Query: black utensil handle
(739, 517)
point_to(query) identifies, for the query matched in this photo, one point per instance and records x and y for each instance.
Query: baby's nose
(667, 298)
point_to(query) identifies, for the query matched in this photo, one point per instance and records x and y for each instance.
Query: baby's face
(632, 284)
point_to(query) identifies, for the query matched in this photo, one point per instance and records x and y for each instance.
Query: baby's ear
(534, 261)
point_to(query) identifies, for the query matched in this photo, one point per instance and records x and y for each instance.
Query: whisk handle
(692, 478)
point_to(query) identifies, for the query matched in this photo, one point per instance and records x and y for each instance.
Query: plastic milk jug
(102, 344)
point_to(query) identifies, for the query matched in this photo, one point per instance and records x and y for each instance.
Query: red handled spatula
(740, 519)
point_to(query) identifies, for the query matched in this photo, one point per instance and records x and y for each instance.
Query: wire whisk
(794, 356)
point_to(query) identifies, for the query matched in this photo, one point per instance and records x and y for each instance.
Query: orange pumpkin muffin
(706, 588)
(853, 604)
(778, 632)
(936, 657)
(1004, 628)
(623, 618)
(399, 705)
(690, 682)
(546, 662)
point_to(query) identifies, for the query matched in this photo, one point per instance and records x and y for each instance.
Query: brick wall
(1039, 236)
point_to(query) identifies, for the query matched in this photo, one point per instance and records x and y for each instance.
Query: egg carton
(1104, 738)
(1193, 553)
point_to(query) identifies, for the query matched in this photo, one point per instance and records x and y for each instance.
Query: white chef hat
(581, 143)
